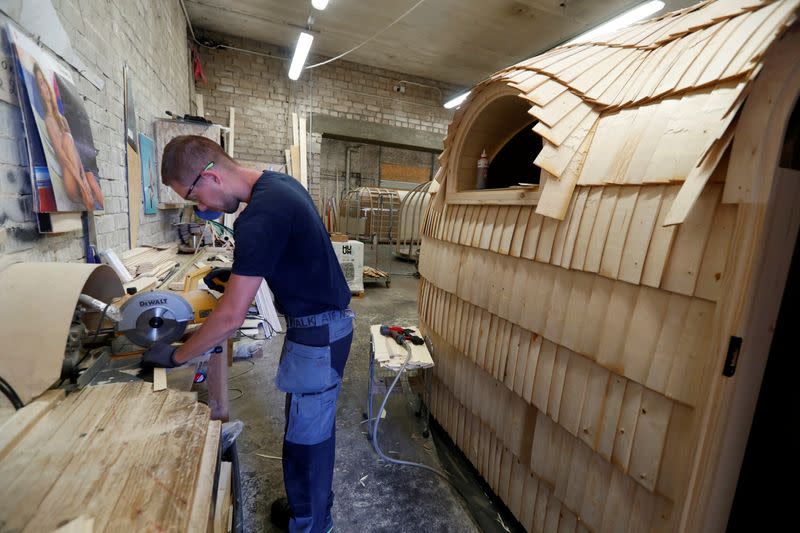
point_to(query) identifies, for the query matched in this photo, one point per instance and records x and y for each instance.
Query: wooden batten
(578, 326)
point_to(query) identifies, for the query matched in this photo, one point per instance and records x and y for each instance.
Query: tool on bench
(401, 335)
(151, 317)
(162, 316)
(188, 118)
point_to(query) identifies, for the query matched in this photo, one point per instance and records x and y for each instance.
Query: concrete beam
(356, 130)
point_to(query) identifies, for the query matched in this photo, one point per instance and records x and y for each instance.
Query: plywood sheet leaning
(134, 168)
(40, 316)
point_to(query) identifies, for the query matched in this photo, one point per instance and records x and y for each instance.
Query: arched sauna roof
(654, 103)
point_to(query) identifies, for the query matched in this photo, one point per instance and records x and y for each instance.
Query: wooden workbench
(121, 456)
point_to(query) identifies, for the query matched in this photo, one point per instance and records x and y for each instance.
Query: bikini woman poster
(64, 182)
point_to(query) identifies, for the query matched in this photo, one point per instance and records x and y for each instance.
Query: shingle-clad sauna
(582, 324)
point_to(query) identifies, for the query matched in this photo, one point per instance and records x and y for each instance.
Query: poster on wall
(59, 180)
(80, 126)
(147, 152)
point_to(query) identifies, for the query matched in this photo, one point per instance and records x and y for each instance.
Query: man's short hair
(185, 156)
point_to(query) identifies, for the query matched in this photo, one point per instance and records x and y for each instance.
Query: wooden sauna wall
(570, 355)
(575, 340)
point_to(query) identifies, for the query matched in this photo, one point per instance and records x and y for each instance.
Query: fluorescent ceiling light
(319, 4)
(300, 55)
(626, 19)
(457, 101)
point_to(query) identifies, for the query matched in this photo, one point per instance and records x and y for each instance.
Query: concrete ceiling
(455, 41)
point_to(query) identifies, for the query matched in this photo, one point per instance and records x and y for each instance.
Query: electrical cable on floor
(11, 394)
(240, 374)
(240, 391)
(376, 444)
(377, 447)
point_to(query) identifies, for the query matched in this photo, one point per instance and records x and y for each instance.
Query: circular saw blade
(155, 317)
(155, 325)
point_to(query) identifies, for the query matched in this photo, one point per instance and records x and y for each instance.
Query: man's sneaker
(280, 513)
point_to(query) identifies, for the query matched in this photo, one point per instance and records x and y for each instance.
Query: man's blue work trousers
(310, 372)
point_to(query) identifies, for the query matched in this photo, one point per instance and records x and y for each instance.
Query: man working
(280, 238)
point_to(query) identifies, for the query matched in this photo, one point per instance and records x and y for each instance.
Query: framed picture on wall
(47, 95)
(147, 153)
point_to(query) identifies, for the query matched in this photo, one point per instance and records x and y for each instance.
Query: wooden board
(712, 267)
(650, 437)
(134, 193)
(574, 392)
(643, 222)
(696, 181)
(296, 166)
(593, 405)
(646, 322)
(83, 458)
(159, 379)
(682, 270)
(599, 232)
(201, 502)
(303, 149)
(222, 498)
(405, 173)
(660, 242)
(618, 231)
(22, 421)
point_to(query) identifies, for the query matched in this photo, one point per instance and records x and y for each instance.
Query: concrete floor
(370, 494)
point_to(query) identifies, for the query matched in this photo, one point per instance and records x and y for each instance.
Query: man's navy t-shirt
(280, 237)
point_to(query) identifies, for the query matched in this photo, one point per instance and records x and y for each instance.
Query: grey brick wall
(264, 98)
(150, 37)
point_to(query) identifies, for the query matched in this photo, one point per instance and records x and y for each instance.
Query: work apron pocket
(339, 329)
(311, 417)
(305, 369)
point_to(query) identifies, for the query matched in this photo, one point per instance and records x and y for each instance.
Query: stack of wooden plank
(149, 264)
(121, 457)
(577, 335)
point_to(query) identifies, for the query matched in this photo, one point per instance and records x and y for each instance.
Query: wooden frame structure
(370, 214)
(581, 337)
(412, 209)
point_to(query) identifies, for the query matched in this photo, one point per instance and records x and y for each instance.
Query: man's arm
(226, 318)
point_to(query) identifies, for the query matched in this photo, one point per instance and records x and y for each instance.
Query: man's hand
(159, 355)
(217, 279)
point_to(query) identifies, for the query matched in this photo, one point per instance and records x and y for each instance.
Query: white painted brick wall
(150, 37)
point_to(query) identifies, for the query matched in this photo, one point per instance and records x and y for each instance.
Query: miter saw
(151, 317)
(101, 331)
(147, 318)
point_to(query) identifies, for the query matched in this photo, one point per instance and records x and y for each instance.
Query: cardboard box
(351, 258)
